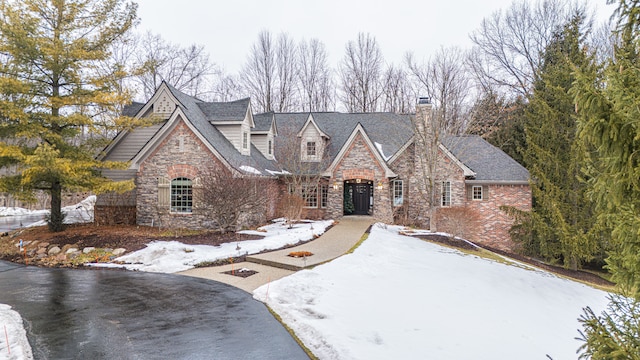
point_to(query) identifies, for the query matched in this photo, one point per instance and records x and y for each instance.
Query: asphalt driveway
(113, 314)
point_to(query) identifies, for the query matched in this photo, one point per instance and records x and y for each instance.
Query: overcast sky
(228, 29)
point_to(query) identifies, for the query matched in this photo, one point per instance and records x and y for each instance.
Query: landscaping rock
(72, 250)
(41, 251)
(43, 244)
(54, 251)
(61, 257)
(88, 249)
(119, 251)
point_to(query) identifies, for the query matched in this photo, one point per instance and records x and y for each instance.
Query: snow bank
(174, 256)
(398, 297)
(11, 328)
(81, 212)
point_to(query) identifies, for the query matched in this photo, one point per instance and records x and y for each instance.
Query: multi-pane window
(476, 192)
(398, 193)
(324, 195)
(311, 149)
(270, 150)
(245, 140)
(446, 193)
(181, 195)
(310, 195)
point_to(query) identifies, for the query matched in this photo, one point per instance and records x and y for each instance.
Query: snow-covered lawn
(11, 329)
(174, 256)
(398, 297)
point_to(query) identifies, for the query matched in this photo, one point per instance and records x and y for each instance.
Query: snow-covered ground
(394, 297)
(398, 297)
(174, 256)
(11, 329)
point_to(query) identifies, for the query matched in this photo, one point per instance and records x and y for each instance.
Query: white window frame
(446, 194)
(181, 201)
(310, 195)
(324, 195)
(245, 140)
(474, 194)
(398, 193)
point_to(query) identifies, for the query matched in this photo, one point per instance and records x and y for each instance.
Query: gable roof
(489, 163)
(192, 112)
(388, 131)
(359, 130)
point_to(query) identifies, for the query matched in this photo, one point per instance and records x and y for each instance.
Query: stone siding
(175, 158)
(359, 162)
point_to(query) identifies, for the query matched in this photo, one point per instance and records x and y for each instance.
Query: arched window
(181, 195)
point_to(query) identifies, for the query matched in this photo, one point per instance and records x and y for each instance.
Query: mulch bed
(243, 273)
(574, 274)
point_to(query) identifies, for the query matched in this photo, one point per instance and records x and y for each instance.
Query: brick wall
(494, 228)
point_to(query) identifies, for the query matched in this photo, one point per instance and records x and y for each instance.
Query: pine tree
(607, 99)
(53, 88)
(559, 225)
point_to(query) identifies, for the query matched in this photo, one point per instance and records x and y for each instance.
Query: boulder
(88, 249)
(119, 251)
(54, 251)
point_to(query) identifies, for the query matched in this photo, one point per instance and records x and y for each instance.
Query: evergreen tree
(607, 99)
(53, 87)
(559, 225)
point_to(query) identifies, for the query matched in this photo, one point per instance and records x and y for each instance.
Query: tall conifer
(53, 87)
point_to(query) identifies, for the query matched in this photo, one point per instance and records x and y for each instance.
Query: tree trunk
(55, 222)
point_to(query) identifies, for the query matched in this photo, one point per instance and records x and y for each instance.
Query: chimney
(423, 113)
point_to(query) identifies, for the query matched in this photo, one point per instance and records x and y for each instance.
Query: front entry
(358, 197)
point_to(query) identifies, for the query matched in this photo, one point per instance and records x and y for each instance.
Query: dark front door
(361, 196)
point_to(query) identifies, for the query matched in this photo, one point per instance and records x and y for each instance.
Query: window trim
(473, 193)
(324, 196)
(177, 205)
(398, 192)
(245, 140)
(445, 198)
(310, 197)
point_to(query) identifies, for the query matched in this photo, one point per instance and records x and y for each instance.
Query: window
(476, 192)
(398, 194)
(310, 195)
(324, 195)
(311, 148)
(446, 193)
(245, 140)
(270, 150)
(181, 195)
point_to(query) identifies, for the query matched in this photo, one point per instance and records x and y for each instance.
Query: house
(346, 164)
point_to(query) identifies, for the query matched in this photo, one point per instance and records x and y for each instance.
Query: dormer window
(245, 140)
(311, 149)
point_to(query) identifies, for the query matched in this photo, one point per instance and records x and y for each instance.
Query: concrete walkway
(277, 264)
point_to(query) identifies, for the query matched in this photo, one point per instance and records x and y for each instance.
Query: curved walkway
(277, 264)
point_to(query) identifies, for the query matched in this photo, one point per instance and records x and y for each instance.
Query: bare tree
(303, 162)
(187, 69)
(287, 73)
(258, 76)
(508, 44)
(226, 87)
(398, 95)
(445, 80)
(360, 72)
(315, 77)
(225, 198)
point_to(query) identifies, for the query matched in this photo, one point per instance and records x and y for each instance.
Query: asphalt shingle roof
(487, 161)
(192, 108)
(388, 131)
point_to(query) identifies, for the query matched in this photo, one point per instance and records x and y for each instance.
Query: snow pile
(398, 297)
(18, 211)
(11, 328)
(81, 212)
(174, 256)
